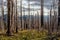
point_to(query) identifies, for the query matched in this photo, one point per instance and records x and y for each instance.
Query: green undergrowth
(27, 35)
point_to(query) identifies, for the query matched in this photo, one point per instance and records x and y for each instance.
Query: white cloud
(25, 5)
(46, 12)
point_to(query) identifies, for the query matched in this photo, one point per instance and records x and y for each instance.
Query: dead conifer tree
(2, 16)
(16, 18)
(33, 18)
(10, 20)
(29, 19)
(12, 15)
(21, 12)
(9, 32)
(24, 21)
(35, 21)
(50, 21)
(42, 2)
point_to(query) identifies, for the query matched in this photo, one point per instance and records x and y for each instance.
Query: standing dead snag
(2, 16)
(49, 23)
(33, 19)
(21, 12)
(29, 19)
(24, 21)
(58, 16)
(58, 28)
(59, 12)
(10, 15)
(16, 19)
(8, 25)
(42, 2)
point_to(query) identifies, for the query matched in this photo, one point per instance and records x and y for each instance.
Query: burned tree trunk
(49, 22)
(58, 16)
(8, 25)
(59, 12)
(42, 12)
(29, 18)
(16, 19)
(24, 21)
(58, 28)
(10, 15)
(2, 16)
(21, 12)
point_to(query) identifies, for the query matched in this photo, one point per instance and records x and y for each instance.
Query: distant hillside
(25, 17)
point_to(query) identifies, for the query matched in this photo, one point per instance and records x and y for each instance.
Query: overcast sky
(34, 4)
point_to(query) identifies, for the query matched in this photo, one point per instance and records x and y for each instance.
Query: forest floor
(26, 35)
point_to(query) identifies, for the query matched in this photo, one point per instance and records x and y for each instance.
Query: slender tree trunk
(2, 16)
(35, 21)
(12, 16)
(38, 20)
(29, 20)
(24, 21)
(59, 12)
(50, 27)
(58, 28)
(16, 19)
(42, 2)
(21, 12)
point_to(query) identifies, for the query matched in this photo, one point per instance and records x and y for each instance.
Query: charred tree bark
(42, 2)
(2, 16)
(8, 25)
(58, 28)
(10, 14)
(50, 25)
(24, 21)
(29, 18)
(21, 12)
(58, 12)
(16, 19)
